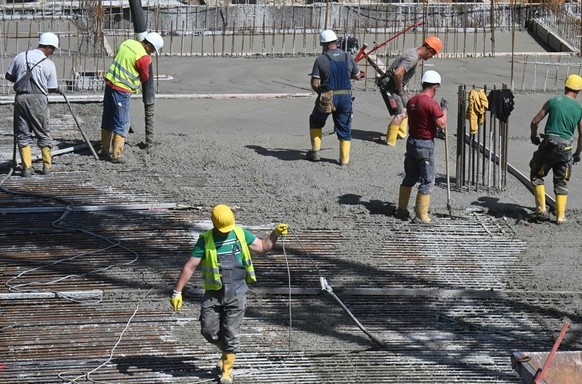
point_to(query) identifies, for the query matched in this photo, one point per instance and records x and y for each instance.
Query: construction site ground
(91, 254)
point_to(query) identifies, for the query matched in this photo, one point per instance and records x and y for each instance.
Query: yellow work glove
(176, 300)
(281, 229)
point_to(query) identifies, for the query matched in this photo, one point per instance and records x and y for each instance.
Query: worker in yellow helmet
(129, 69)
(224, 256)
(555, 150)
(393, 85)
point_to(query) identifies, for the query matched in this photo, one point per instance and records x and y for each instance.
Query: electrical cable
(88, 374)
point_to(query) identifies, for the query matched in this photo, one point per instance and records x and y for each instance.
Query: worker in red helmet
(224, 256)
(393, 85)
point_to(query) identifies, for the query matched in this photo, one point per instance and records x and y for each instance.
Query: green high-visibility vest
(209, 264)
(122, 72)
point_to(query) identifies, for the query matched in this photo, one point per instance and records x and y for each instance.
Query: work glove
(176, 300)
(576, 159)
(281, 229)
(444, 104)
(535, 140)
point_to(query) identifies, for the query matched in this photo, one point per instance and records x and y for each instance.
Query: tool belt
(326, 102)
(553, 142)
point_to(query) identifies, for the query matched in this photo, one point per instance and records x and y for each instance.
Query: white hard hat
(156, 40)
(431, 77)
(327, 36)
(49, 38)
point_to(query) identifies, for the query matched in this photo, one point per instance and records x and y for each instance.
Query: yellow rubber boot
(392, 134)
(227, 368)
(315, 137)
(118, 143)
(403, 198)
(421, 209)
(26, 156)
(219, 363)
(344, 152)
(403, 128)
(540, 196)
(106, 137)
(561, 208)
(47, 160)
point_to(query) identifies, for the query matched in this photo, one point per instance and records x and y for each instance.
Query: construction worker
(34, 76)
(393, 85)
(129, 69)
(330, 78)
(555, 150)
(224, 254)
(426, 117)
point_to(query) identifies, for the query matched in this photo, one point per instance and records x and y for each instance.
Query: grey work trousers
(221, 317)
(31, 116)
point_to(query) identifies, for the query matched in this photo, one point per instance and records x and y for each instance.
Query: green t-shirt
(224, 244)
(564, 114)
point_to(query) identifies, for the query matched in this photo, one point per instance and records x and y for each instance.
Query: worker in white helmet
(129, 69)
(34, 76)
(426, 116)
(330, 78)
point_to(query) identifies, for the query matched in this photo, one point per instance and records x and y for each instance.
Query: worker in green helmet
(224, 256)
(555, 150)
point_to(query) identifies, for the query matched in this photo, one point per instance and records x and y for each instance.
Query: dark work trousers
(419, 165)
(31, 117)
(222, 311)
(553, 154)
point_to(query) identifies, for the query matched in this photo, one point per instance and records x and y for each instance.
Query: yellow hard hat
(222, 218)
(574, 82)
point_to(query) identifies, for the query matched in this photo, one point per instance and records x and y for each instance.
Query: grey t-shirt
(408, 60)
(321, 64)
(44, 75)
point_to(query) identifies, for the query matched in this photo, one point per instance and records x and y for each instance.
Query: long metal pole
(79, 126)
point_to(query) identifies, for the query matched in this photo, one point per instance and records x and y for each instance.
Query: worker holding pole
(426, 117)
(130, 67)
(34, 76)
(330, 78)
(555, 150)
(224, 255)
(393, 84)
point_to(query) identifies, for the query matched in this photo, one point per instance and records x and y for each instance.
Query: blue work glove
(576, 159)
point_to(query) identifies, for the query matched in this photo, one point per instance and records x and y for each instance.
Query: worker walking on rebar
(34, 76)
(330, 78)
(555, 150)
(224, 254)
(393, 85)
(426, 117)
(130, 68)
